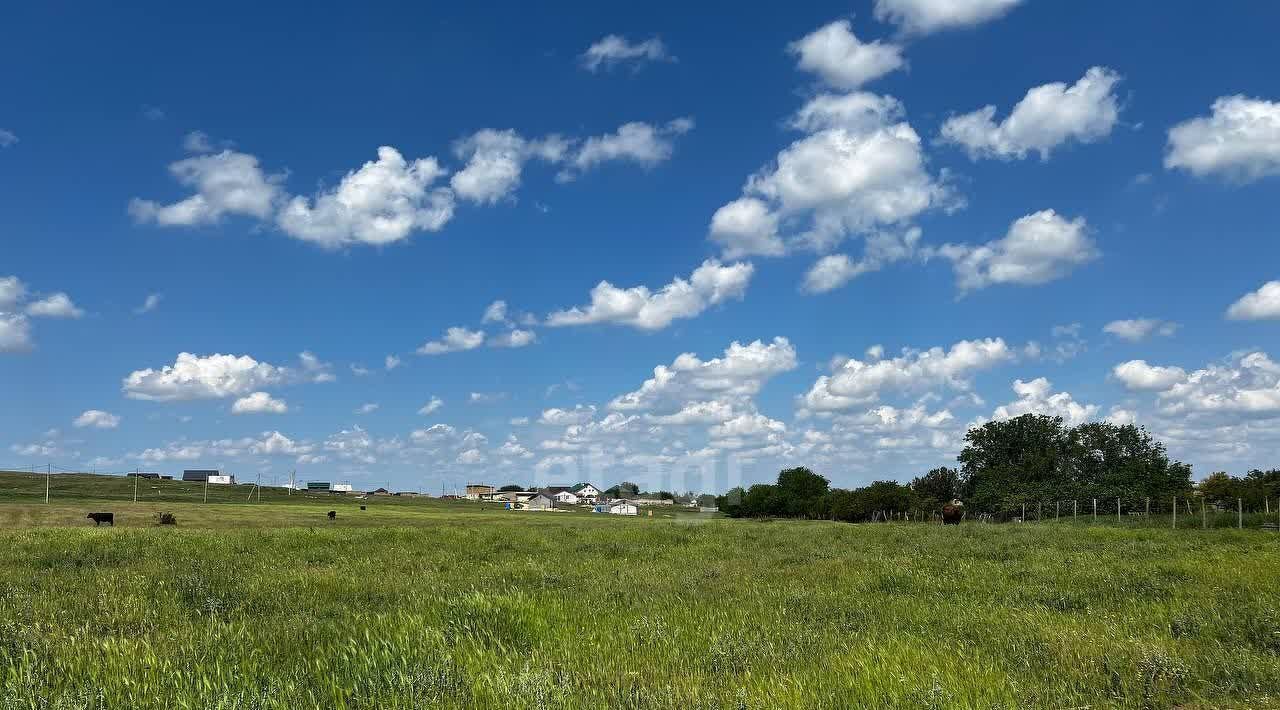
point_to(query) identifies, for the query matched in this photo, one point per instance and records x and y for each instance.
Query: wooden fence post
(1095, 510)
(1175, 512)
(1239, 513)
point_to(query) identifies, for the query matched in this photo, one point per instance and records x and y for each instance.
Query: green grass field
(417, 603)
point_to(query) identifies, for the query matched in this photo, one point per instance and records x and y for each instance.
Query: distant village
(622, 499)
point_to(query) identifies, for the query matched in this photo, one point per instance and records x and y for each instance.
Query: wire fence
(1178, 512)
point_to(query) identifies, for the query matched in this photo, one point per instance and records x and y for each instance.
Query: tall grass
(528, 611)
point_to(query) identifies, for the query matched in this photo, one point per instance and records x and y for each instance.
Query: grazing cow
(952, 513)
(100, 518)
(362, 507)
(333, 514)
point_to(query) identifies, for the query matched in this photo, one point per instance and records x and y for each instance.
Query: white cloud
(58, 305)
(1138, 329)
(745, 227)
(471, 457)
(1240, 141)
(1263, 304)
(12, 292)
(359, 370)
(1038, 248)
(1037, 397)
(202, 377)
(1247, 385)
(259, 403)
(455, 340)
(841, 59)
(702, 412)
(1138, 375)
(15, 332)
(367, 408)
(495, 313)
(926, 16)
(860, 168)
(738, 374)
(564, 417)
(383, 202)
(151, 302)
(858, 382)
(225, 183)
(97, 419)
(635, 142)
(495, 160)
(430, 407)
(835, 270)
(615, 50)
(515, 338)
(7, 138)
(314, 369)
(486, 397)
(708, 285)
(1047, 117)
(391, 362)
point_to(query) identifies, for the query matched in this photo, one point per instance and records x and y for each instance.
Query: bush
(168, 519)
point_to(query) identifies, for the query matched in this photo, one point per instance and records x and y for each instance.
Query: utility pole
(1117, 510)
(206, 488)
(1095, 510)
(1240, 513)
(48, 471)
(135, 484)
(1175, 512)
(1204, 517)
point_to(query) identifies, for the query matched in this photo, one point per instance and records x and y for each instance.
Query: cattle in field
(952, 513)
(333, 514)
(100, 518)
(362, 507)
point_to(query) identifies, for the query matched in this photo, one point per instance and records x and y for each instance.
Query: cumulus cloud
(614, 50)
(383, 202)
(1263, 304)
(841, 59)
(455, 339)
(927, 16)
(515, 338)
(1038, 397)
(745, 227)
(259, 403)
(1245, 385)
(97, 419)
(1047, 117)
(859, 168)
(1139, 376)
(496, 312)
(1038, 248)
(856, 382)
(225, 183)
(391, 362)
(739, 373)
(217, 376)
(1238, 141)
(58, 305)
(1138, 329)
(496, 159)
(835, 270)
(563, 417)
(367, 408)
(710, 284)
(635, 142)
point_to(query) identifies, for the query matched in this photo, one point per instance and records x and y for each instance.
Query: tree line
(1028, 460)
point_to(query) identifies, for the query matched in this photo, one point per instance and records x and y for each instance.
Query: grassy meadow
(420, 603)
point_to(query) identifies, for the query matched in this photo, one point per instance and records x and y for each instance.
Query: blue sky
(844, 234)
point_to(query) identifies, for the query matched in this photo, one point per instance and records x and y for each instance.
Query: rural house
(478, 491)
(623, 507)
(565, 497)
(540, 501)
(586, 492)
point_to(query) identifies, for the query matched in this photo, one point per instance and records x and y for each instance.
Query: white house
(623, 507)
(587, 492)
(566, 498)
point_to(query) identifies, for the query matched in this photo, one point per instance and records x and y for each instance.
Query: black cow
(362, 507)
(100, 518)
(333, 514)
(952, 514)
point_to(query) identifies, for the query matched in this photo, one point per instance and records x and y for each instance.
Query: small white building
(342, 488)
(566, 498)
(623, 507)
(586, 492)
(220, 480)
(541, 501)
